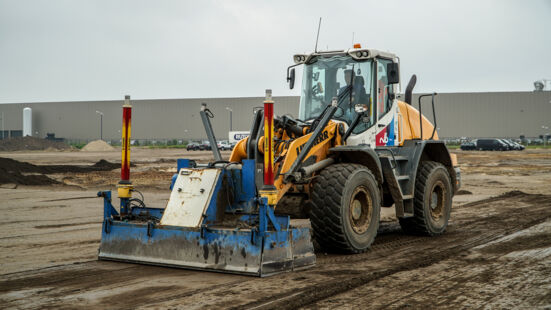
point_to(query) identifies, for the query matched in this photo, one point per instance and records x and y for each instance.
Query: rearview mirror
(291, 79)
(393, 73)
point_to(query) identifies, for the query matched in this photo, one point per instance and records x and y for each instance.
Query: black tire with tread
(329, 215)
(422, 222)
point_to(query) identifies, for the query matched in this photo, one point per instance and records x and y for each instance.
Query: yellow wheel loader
(353, 149)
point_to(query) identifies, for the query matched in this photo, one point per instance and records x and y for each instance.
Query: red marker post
(125, 187)
(126, 118)
(268, 190)
(268, 139)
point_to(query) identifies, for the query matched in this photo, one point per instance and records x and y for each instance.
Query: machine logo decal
(386, 136)
(323, 136)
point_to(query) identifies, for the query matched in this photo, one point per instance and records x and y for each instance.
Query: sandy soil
(495, 254)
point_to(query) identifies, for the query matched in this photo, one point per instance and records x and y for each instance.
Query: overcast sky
(54, 50)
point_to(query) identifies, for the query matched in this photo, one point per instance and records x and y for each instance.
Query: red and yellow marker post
(125, 186)
(269, 191)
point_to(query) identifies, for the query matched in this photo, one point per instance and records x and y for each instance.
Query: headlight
(299, 58)
(360, 54)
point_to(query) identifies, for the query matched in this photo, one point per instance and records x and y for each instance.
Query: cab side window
(384, 90)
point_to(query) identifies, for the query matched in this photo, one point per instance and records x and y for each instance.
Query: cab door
(386, 128)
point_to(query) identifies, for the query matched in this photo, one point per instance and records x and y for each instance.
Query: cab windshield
(338, 76)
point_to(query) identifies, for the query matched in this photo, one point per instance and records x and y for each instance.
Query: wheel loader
(354, 148)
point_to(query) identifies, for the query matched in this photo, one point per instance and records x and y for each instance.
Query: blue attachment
(174, 177)
(180, 163)
(272, 217)
(247, 179)
(283, 221)
(265, 214)
(219, 199)
(217, 249)
(124, 203)
(108, 209)
(155, 212)
(263, 244)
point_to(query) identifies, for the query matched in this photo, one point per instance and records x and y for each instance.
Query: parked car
(517, 146)
(468, 146)
(224, 145)
(521, 147)
(205, 146)
(507, 145)
(491, 145)
(193, 146)
(511, 144)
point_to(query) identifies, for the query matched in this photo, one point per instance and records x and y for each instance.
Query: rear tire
(346, 206)
(432, 201)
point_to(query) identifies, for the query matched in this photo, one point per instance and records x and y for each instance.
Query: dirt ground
(496, 252)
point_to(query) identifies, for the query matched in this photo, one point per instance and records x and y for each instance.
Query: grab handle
(401, 128)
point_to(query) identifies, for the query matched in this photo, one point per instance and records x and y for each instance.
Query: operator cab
(364, 81)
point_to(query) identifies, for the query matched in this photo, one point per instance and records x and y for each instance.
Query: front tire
(346, 210)
(432, 201)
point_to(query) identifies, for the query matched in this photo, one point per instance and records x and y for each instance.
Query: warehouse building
(476, 115)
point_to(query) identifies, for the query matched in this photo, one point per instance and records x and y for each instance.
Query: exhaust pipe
(409, 89)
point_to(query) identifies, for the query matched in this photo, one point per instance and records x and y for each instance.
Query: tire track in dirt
(392, 253)
(342, 284)
(51, 232)
(451, 288)
(391, 241)
(467, 238)
(54, 283)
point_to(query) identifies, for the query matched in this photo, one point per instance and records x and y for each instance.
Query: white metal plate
(190, 197)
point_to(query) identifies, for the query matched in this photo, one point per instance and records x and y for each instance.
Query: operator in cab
(352, 93)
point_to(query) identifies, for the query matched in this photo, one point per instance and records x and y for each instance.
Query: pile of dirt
(31, 144)
(97, 146)
(104, 165)
(13, 171)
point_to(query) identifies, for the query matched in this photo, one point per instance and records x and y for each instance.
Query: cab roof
(356, 53)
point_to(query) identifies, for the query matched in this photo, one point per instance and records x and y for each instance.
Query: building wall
(497, 114)
(151, 119)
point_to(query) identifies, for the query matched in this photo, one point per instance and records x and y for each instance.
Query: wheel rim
(437, 200)
(361, 209)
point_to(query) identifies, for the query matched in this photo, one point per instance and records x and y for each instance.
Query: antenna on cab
(317, 37)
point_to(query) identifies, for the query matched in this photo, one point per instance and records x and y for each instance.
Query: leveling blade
(235, 250)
